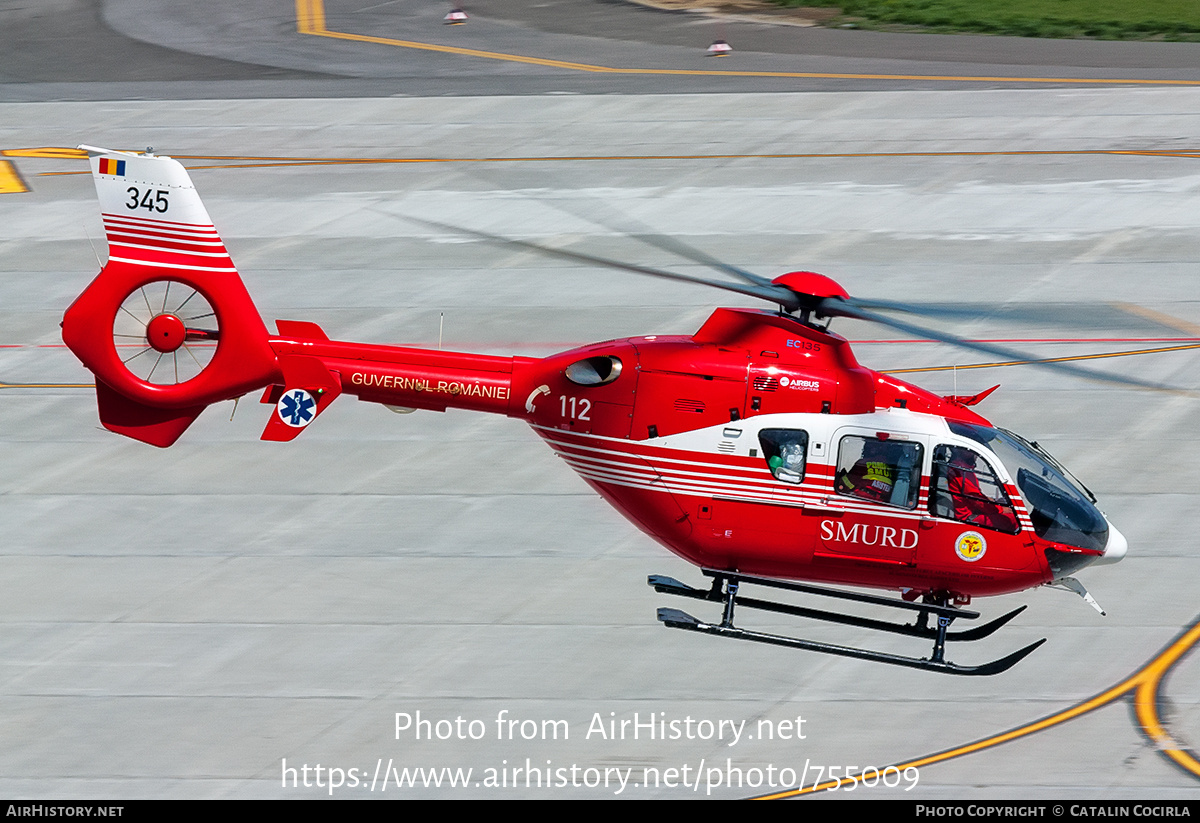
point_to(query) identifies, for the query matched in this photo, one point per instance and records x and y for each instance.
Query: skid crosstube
(725, 590)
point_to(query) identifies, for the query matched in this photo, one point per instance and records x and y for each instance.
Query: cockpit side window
(964, 487)
(1059, 509)
(785, 451)
(883, 471)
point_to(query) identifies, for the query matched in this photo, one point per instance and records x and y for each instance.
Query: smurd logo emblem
(296, 408)
(970, 546)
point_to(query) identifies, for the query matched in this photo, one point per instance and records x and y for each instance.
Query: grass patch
(1177, 20)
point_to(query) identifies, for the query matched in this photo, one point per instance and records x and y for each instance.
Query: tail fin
(167, 326)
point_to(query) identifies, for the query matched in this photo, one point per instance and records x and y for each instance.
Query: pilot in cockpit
(971, 505)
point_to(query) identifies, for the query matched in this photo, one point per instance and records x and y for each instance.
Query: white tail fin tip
(152, 213)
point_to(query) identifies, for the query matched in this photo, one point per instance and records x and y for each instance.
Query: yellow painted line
(310, 16)
(1158, 317)
(1150, 694)
(47, 152)
(310, 19)
(47, 385)
(774, 155)
(1145, 686)
(500, 159)
(1100, 356)
(270, 162)
(10, 180)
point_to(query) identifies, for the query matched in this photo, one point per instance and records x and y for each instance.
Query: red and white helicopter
(757, 448)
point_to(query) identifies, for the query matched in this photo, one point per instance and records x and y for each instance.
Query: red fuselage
(670, 431)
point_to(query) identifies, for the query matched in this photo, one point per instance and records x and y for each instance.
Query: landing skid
(725, 589)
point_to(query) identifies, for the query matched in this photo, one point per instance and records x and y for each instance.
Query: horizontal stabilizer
(969, 399)
(156, 426)
(309, 388)
(303, 329)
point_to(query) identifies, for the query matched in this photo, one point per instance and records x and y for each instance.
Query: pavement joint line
(1030, 362)
(1071, 358)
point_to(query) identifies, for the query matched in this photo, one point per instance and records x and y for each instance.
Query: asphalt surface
(193, 622)
(128, 49)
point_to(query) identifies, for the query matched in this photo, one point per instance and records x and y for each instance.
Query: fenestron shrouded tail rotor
(166, 332)
(167, 326)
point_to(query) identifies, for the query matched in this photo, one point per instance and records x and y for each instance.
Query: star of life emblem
(296, 408)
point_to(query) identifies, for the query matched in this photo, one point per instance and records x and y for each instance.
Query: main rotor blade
(836, 307)
(956, 312)
(672, 245)
(678, 247)
(776, 294)
(629, 226)
(1072, 315)
(600, 212)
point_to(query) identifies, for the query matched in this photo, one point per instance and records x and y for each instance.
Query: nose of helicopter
(1116, 547)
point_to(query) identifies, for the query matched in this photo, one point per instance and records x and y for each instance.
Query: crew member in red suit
(971, 505)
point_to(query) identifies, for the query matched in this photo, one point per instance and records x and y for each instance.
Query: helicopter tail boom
(168, 327)
(401, 378)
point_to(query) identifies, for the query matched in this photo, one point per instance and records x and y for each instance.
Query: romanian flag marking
(110, 166)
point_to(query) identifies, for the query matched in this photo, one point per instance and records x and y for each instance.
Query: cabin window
(963, 486)
(786, 452)
(883, 471)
